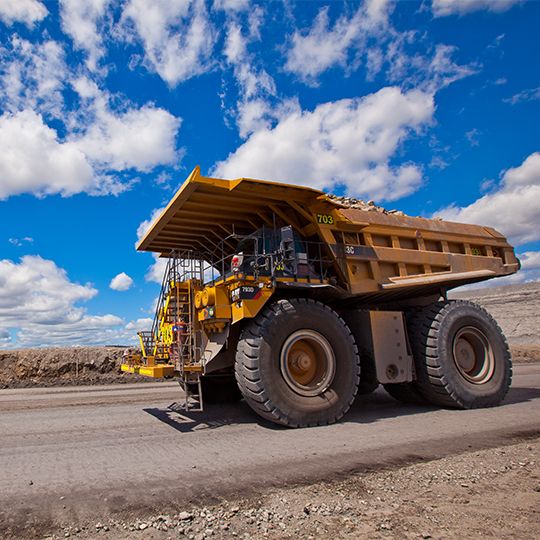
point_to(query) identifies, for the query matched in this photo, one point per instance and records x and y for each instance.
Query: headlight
(209, 296)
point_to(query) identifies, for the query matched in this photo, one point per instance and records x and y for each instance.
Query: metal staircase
(173, 345)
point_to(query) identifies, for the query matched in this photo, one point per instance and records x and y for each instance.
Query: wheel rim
(473, 355)
(307, 361)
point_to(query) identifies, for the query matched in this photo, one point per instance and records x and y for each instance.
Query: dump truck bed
(377, 255)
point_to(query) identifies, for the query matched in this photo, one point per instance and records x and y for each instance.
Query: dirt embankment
(58, 366)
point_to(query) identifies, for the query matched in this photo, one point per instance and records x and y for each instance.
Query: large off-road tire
(218, 389)
(461, 356)
(297, 364)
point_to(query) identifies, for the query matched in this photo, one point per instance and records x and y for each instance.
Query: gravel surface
(467, 495)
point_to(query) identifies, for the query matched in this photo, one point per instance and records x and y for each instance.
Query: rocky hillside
(516, 308)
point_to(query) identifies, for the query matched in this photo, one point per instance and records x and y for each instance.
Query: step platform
(158, 371)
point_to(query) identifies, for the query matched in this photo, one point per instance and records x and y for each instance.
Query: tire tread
(247, 371)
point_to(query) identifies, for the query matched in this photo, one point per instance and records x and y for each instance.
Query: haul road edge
(285, 296)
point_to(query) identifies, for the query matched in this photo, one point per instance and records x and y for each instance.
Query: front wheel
(297, 364)
(461, 355)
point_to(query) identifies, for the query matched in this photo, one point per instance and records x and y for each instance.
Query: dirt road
(70, 455)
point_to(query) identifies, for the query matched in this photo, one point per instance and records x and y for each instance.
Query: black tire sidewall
(336, 399)
(468, 394)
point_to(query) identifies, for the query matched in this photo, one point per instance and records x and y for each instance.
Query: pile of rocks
(369, 206)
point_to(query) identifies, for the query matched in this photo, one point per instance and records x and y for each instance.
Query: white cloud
(368, 36)
(531, 94)
(472, 136)
(137, 138)
(231, 5)
(37, 291)
(80, 19)
(442, 8)
(157, 268)
(176, 35)
(33, 76)
(430, 70)
(440, 70)
(21, 241)
(530, 266)
(322, 46)
(258, 104)
(121, 282)
(5, 337)
(34, 160)
(513, 208)
(144, 226)
(348, 142)
(139, 325)
(40, 305)
(24, 11)
(99, 140)
(89, 330)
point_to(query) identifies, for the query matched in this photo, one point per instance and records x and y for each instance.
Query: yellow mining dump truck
(296, 301)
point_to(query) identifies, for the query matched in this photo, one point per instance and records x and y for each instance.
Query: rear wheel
(461, 355)
(297, 364)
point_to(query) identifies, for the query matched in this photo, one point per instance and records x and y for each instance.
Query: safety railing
(311, 261)
(267, 254)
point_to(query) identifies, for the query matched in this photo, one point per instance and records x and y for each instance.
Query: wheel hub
(473, 355)
(307, 362)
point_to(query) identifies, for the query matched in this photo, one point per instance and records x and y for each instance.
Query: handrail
(304, 259)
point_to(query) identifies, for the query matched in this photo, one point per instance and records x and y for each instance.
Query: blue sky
(430, 107)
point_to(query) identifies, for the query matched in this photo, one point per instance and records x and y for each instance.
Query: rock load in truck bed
(359, 204)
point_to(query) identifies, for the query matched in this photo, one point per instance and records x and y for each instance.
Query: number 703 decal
(327, 219)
